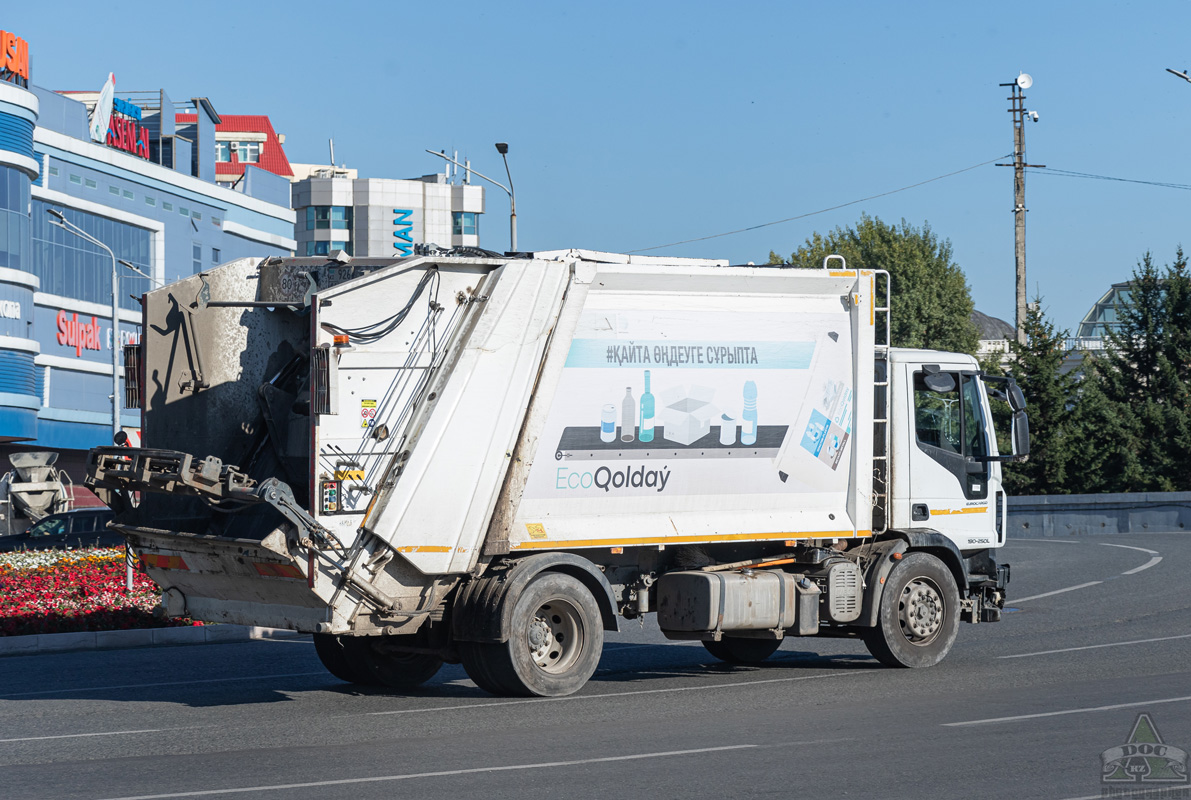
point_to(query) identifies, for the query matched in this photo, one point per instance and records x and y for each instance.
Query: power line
(1066, 173)
(820, 211)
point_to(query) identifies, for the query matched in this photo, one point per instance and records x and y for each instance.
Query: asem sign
(404, 231)
(14, 59)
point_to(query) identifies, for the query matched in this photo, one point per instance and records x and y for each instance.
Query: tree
(1049, 396)
(932, 305)
(1134, 409)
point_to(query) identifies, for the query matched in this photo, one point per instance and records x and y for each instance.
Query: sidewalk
(145, 637)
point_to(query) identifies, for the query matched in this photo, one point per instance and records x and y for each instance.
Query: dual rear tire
(556, 637)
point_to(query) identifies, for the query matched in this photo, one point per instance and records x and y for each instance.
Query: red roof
(272, 154)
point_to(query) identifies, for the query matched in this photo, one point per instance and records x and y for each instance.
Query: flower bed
(59, 591)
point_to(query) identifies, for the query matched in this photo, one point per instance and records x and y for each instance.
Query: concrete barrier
(145, 637)
(1060, 515)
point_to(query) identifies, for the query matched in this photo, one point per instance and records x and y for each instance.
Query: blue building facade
(143, 192)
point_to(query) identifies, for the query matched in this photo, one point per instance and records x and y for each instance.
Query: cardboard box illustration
(686, 413)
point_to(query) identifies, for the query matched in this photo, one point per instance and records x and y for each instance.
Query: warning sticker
(367, 413)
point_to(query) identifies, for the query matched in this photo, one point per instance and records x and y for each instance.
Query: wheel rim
(555, 636)
(921, 611)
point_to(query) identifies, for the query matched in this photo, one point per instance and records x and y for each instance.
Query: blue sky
(633, 125)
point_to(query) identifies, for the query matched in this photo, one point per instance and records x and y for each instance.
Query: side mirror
(1017, 400)
(940, 382)
(1021, 433)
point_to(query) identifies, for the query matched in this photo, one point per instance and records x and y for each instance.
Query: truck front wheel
(918, 618)
(554, 646)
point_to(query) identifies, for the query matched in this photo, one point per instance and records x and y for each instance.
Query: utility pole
(1019, 112)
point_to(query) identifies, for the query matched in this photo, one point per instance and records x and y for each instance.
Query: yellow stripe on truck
(973, 510)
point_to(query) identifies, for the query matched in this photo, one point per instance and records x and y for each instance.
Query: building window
(167, 206)
(76, 179)
(326, 248)
(216, 255)
(197, 215)
(223, 152)
(72, 267)
(216, 221)
(91, 184)
(197, 257)
(184, 211)
(54, 171)
(466, 223)
(127, 195)
(111, 189)
(14, 224)
(150, 201)
(328, 217)
(248, 152)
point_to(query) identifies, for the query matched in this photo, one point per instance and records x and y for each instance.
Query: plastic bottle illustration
(628, 416)
(608, 423)
(646, 432)
(748, 420)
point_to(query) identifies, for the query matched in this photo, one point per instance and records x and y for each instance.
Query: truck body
(489, 459)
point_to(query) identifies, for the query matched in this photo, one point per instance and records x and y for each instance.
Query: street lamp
(63, 223)
(142, 273)
(508, 189)
(503, 149)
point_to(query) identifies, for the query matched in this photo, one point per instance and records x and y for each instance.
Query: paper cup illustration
(727, 429)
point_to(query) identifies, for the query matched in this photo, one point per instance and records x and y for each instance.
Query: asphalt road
(1100, 632)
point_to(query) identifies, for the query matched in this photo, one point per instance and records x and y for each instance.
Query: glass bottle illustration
(646, 432)
(608, 423)
(748, 420)
(628, 416)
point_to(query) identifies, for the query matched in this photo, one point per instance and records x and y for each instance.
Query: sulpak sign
(79, 334)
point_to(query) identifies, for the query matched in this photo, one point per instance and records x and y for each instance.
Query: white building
(372, 217)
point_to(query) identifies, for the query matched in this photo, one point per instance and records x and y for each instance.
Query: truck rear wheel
(555, 643)
(919, 615)
(402, 670)
(743, 651)
(341, 655)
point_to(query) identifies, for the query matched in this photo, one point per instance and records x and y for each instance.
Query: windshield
(52, 526)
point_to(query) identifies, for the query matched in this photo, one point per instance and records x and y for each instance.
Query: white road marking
(79, 735)
(601, 696)
(1153, 561)
(1128, 547)
(1066, 712)
(1015, 601)
(1054, 541)
(443, 773)
(75, 690)
(1097, 646)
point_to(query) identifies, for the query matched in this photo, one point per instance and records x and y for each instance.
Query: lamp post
(503, 149)
(61, 221)
(508, 190)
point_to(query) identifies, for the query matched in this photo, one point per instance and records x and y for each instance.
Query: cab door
(953, 488)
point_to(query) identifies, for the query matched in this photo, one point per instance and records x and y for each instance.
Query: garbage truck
(460, 456)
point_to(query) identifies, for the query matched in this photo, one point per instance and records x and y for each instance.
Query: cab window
(55, 526)
(950, 427)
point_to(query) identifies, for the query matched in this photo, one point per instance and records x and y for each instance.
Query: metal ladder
(881, 368)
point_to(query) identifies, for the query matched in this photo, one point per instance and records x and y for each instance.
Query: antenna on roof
(331, 144)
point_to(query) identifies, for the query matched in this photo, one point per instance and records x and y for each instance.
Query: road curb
(42, 643)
